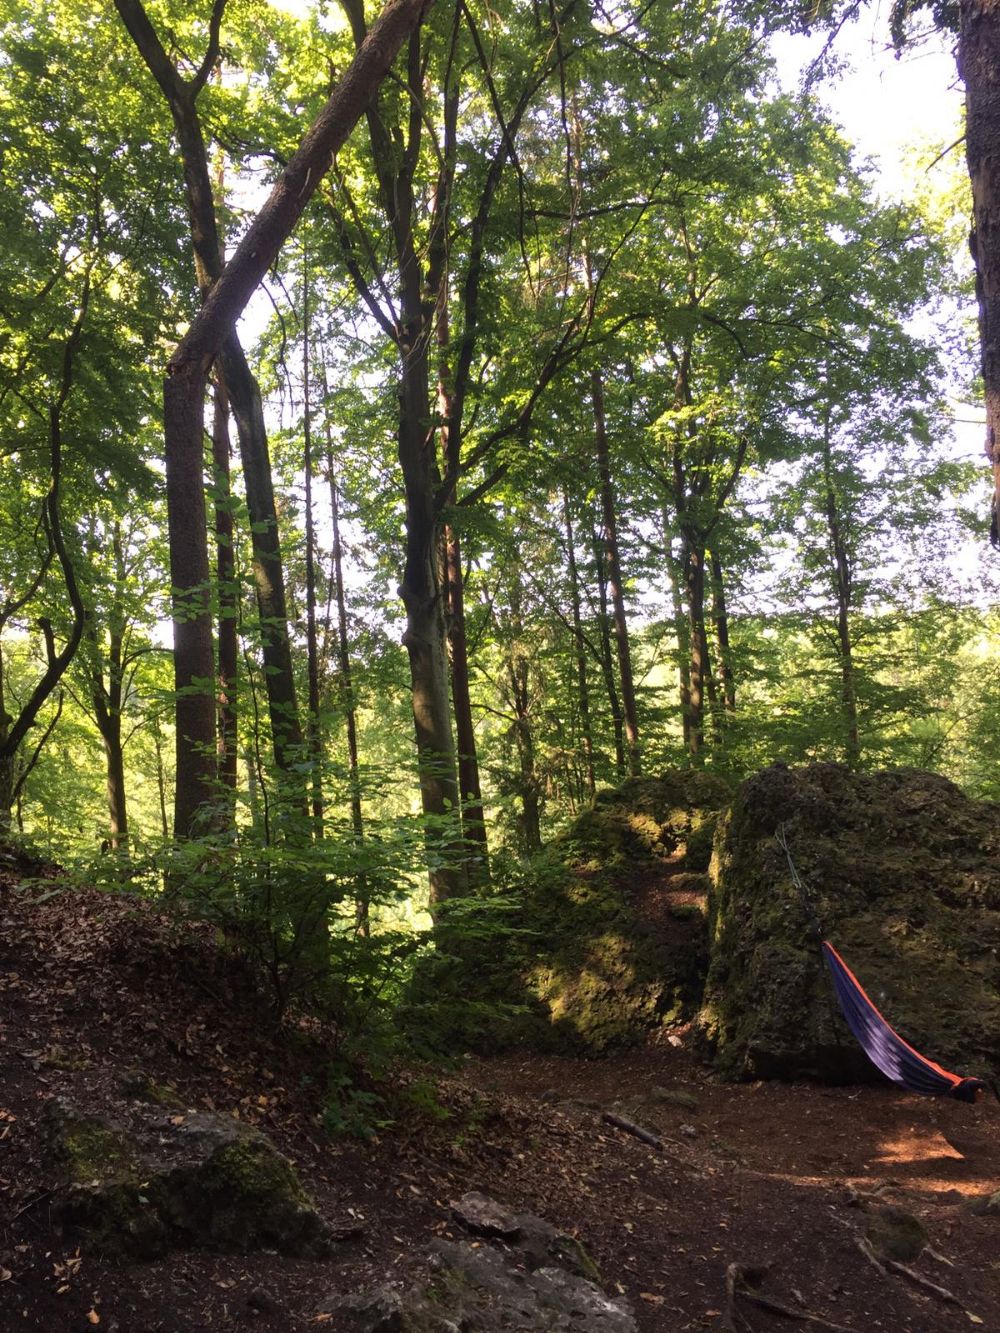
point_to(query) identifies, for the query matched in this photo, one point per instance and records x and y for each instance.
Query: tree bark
(614, 575)
(607, 658)
(227, 634)
(979, 67)
(315, 743)
(843, 583)
(579, 649)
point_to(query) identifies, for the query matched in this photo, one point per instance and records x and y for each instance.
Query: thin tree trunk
(614, 575)
(682, 630)
(312, 652)
(579, 649)
(843, 580)
(227, 635)
(161, 781)
(694, 577)
(979, 67)
(720, 619)
(519, 675)
(607, 658)
(473, 815)
(346, 682)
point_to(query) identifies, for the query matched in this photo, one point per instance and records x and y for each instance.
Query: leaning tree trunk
(979, 66)
(184, 393)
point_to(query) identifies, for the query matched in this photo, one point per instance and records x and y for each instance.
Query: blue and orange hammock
(885, 1048)
(883, 1045)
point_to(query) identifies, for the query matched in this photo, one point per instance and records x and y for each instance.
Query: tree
(184, 401)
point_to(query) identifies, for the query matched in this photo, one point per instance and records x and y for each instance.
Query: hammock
(886, 1048)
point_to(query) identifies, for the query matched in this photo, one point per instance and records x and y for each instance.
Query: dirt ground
(781, 1178)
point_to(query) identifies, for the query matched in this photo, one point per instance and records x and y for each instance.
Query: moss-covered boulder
(670, 817)
(606, 936)
(904, 874)
(617, 910)
(182, 1180)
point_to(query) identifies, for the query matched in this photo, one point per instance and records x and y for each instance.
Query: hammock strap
(807, 904)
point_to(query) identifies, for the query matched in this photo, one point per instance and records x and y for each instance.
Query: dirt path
(762, 1175)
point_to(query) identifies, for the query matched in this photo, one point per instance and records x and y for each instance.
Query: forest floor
(780, 1177)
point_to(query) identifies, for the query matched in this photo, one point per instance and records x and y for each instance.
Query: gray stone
(485, 1217)
(380, 1310)
(481, 1291)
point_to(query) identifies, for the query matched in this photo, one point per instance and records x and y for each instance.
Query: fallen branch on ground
(630, 1127)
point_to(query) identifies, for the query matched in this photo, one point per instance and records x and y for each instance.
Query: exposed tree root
(739, 1281)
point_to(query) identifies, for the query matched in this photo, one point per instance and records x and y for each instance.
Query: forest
(597, 419)
(458, 459)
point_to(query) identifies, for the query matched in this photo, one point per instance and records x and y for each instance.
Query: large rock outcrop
(904, 874)
(618, 910)
(607, 938)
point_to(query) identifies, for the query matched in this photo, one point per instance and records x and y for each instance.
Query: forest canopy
(592, 415)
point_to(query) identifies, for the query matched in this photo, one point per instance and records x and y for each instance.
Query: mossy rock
(896, 1234)
(611, 940)
(903, 873)
(194, 1180)
(240, 1194)
(672, 816)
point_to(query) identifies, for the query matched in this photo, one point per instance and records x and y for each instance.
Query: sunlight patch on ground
(917, 1146)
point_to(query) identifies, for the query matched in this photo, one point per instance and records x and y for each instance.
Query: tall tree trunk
(519, 676)
(682, 627)
(268, 568)
(979, 66)
(241, 386)
(227, 633)
(614, 574)
(425, 635)
(720, 618)
(312, 649)
(117, 809)
(694, 578)
(607, 657)
(843, 581)
(161, 780)
(346, 682)
(473, 815)
(579, 649)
